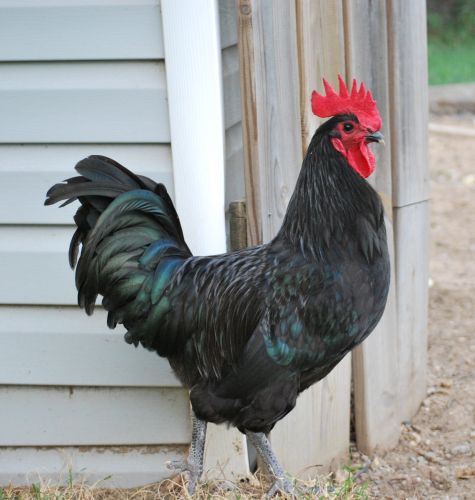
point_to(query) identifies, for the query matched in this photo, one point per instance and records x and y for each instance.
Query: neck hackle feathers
(358, 102)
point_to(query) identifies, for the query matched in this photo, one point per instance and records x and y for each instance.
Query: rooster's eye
(347, 127)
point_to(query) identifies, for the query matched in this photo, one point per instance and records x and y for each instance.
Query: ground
(435, 457)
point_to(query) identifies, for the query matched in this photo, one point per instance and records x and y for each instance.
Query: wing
(218, 302)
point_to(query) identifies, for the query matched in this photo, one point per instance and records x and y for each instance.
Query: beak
(375, 137)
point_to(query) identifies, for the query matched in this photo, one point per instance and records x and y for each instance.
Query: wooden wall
(286, 48)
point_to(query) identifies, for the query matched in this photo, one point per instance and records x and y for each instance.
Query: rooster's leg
(193, 465)
(263, 448)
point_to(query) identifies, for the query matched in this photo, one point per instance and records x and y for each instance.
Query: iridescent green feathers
(132, 244)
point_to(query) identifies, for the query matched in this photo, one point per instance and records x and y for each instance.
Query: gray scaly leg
(263, 448)
(193, 465)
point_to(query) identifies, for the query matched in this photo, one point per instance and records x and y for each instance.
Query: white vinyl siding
(76, 78)
(68, 347)
(28, 170)
(42, 30)
(80, 78)
(234, 178)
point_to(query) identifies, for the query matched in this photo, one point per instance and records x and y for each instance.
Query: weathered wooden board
(411, 228)
(77, 30)
(365, 64)
(93, 102)
(320, 38)
(74, 416)
(407, 60)
(273, 145)
(54, 345)
(107, 467)
(225, 453)
(376, 382)
(315, 436)
(322, 417)
(271, 118)
(377, 398)
(28, 171)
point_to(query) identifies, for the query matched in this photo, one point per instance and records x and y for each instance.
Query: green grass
(451, 63)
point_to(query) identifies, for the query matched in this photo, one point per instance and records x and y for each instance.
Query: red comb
(358, 102)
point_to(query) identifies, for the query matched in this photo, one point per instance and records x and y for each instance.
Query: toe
(281, 485)
(177, 465)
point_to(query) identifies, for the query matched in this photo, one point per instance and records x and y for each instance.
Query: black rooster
(247, 331)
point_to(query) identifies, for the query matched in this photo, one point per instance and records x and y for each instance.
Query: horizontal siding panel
(63, 346)
(71, 31)
(228, 22)
(34, 267)
(231, 86)
(108, 467)
(28, 171)
(235, 182)
(84, 103)
(93, 416)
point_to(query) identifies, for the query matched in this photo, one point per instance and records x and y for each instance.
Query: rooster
(245, 331)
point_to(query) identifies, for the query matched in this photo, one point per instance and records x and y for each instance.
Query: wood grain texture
(376, 390)
(28, 171)
(84, 102)
(62, 416)
(314, 438)
(407, 58)
(225, 454)
(366, 60)
(108, 467)
(320, 38)
(411, 227)
(376, 377)
(271, 118)
(53, 345)
(321, 419)
(74, 31)
(317, 431)
(249, 120)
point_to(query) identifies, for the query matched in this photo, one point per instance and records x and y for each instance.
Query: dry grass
(253, 487)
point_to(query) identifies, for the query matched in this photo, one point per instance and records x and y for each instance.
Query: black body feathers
(245, 331)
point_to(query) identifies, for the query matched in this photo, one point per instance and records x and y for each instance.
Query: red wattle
(361, 158)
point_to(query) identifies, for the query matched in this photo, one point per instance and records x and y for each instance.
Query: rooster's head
(357, 123)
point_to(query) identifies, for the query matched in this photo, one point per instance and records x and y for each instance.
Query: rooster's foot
(282, 485)
(192, 470)
(193, 465)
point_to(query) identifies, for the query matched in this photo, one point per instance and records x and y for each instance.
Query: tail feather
(129, 241)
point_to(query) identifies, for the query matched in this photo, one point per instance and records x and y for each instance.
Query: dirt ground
(435, 457)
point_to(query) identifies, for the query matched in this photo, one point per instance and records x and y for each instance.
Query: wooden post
(377, 398)
(407, 58)
(237, 225)
(278, 72)
(322, 415)
(270, 114)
